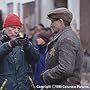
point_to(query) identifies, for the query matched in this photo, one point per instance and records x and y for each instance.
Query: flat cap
(60, 13)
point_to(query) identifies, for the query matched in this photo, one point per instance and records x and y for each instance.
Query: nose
(16, 30)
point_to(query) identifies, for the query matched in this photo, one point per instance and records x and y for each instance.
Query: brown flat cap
(60, 13)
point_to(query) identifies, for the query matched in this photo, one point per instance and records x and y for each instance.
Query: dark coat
(63, 62)
(15, 66)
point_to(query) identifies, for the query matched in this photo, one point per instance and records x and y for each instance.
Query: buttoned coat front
(15, 66)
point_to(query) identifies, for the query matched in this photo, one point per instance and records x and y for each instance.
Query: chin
(12, 37)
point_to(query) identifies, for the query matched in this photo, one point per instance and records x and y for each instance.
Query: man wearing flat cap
(64, 56)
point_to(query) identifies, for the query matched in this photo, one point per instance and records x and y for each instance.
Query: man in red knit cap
(16, 56)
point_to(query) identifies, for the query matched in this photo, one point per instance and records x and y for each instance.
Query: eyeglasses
(14, 27)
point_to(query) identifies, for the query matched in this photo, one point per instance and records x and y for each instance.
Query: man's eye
(16, 28)
(12, 27)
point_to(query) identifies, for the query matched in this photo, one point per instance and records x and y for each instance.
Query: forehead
(13, 28)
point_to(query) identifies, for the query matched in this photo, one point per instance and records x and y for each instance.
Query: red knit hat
(12, 20)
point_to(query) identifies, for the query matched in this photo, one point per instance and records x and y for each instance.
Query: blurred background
(33, 12)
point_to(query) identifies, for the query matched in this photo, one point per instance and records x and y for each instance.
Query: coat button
(15, 58)
(22, 50)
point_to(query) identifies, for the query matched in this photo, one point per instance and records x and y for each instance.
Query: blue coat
(15, 66)
(40, 66)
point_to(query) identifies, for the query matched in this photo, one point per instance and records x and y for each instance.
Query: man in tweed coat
(64, 58)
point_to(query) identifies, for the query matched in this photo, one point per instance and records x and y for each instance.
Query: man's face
(12, 32)
(56, 25)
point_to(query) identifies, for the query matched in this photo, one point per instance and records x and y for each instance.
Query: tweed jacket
(64, 58)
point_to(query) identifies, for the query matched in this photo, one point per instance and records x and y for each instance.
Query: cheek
(54, 24)
(8, 32)
(12, 34)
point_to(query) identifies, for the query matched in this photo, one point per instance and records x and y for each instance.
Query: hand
(19, 41)
(4, 37)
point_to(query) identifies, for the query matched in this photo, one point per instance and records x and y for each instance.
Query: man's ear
(61, 21)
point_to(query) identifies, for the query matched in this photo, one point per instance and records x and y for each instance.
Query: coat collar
(59, 34)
